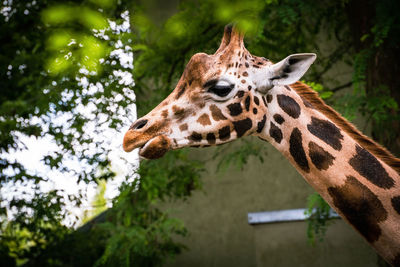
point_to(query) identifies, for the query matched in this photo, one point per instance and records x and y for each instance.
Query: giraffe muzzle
(151, 147)
(156, 147)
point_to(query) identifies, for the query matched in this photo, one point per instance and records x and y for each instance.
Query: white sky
(36, 148)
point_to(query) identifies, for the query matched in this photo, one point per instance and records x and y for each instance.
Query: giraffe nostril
(138, 125)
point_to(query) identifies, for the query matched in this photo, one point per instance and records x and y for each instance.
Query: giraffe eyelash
(220, 91)
(220, 88)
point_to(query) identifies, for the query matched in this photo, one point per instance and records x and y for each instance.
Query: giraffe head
(218, 99)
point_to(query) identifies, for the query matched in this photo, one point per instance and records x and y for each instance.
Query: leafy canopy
(62, 79)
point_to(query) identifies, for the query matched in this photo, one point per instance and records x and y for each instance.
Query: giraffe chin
(156, 147)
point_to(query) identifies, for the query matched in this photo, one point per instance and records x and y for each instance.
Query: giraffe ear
(291, 69)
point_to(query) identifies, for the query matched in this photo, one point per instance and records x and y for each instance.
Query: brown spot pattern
(326, 131)
(383, 154)
(396, 204)
(201, 104)
(210, 138)
(275, 133)
(319, 157)
(256, 100)
(360, 206)
(261, 124)
(242, 126)
(180, 113)
(224, 133)
(196, 137)
(239, 94)
(235, 109)
(183, 127)
(279, 119)
(265, 101)
(369, 167)
(289, 105)
(216, 113)
(247, 103)
(297, 151)
(204, 120)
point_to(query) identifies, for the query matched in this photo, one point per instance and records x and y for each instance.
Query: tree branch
(341, 87)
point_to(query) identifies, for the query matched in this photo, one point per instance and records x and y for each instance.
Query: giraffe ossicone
(230, 94)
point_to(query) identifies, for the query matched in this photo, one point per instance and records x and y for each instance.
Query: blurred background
(74, 75)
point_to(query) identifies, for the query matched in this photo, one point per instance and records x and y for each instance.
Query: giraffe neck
(361, 187)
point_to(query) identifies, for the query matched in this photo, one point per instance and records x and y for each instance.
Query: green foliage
(239, 157)
(31, 103)
(141, 234)
(69, 47)
(318, 213)
(49, 47)
(99, 203)
(77, 248)
(175, 175)
(26, 236)
(319, 88)
(374, 93)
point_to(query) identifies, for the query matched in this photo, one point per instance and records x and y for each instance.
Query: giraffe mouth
(156, 147)
(150, 147)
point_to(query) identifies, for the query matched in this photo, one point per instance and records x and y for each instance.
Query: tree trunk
(383, 65)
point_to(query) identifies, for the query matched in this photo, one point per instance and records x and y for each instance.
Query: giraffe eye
(221, 88)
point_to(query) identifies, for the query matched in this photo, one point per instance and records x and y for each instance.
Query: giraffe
(231, 94)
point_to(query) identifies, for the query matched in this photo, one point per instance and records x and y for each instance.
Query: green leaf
(58, 14)
(92, 19)
(326, 94)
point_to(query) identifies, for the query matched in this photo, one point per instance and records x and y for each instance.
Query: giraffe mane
(374, 148)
